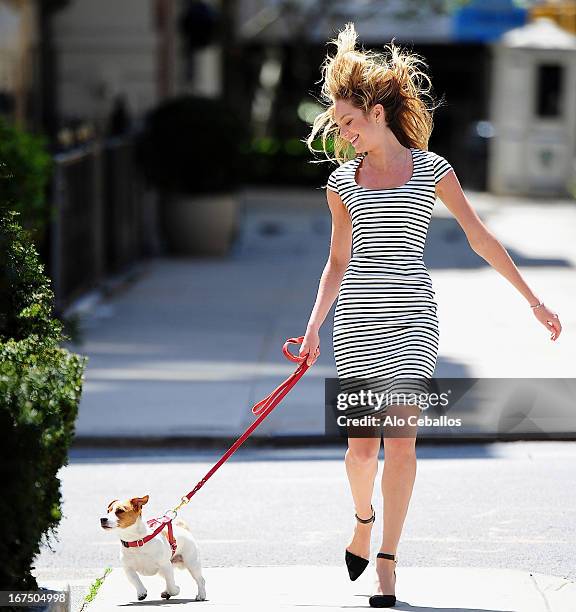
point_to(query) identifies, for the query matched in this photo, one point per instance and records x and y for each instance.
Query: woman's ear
(378, 114)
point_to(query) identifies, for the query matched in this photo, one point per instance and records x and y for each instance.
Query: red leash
(263, 408)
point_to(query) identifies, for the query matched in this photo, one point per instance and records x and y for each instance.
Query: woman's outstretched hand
(310, 348)
(549, 319)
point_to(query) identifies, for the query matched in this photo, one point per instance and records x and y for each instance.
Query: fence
(102, 217)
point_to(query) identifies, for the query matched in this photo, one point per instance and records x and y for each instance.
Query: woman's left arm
(483, 242)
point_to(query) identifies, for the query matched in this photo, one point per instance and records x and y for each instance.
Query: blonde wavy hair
(364, 78)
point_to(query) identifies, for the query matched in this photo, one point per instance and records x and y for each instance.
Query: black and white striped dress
(385, 321)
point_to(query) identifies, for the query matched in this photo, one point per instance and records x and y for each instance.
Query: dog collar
(159, 524)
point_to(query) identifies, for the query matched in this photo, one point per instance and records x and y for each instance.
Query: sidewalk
(190, 346)
(326, 589)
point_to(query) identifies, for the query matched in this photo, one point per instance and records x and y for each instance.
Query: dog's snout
(103, 521)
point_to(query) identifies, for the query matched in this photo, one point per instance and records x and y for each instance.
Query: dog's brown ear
(138, 502)
(110, 505)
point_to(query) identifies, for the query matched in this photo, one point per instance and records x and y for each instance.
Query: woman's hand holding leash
(548, 318)
(310, 348)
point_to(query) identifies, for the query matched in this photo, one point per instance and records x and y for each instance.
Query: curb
(289, 441)
(108, 286)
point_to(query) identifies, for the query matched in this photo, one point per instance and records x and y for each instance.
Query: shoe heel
(354, 563)
(384, 601)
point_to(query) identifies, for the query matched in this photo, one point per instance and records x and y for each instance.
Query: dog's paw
(167, 594)
(142, 595)
(200, 597)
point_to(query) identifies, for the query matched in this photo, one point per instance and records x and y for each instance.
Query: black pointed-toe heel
(384, 601)
(356, 564)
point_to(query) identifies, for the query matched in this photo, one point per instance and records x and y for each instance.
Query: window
(549, 90)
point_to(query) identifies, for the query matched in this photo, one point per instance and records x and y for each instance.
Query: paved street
(505, 506)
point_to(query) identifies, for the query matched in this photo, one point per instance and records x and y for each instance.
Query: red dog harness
(263, 408)
(160, 524)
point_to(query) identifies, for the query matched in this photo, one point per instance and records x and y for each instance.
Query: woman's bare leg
(361, 461)
(398, 479)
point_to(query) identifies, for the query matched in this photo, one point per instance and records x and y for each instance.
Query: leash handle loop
(277, 394)
(288, 354)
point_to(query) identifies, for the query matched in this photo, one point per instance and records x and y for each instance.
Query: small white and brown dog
(125, 518)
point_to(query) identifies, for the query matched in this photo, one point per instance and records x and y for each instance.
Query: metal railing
(100, 224)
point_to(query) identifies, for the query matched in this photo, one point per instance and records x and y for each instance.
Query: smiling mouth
(353, 141)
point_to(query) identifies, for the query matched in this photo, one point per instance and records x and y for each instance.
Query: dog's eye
(119, 511)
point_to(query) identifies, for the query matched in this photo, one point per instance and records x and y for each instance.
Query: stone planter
(204, 224)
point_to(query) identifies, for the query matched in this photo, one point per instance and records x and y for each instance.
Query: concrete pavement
(186, 348)
(326, 589)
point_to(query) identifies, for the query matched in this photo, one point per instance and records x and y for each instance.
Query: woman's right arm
(329, 285)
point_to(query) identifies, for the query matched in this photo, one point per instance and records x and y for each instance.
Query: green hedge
(191, 144)
(25, 170)
(26, 296)
(40, 389)
(275, 161)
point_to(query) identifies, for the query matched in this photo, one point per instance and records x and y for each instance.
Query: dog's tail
(181, 523)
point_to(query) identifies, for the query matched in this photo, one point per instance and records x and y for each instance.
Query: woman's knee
(400, 433)
(399, 448)
(363, 450)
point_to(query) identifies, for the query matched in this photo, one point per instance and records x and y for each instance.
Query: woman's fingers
(309, 351)
(556, 327)
(550, 320)
(312, 355)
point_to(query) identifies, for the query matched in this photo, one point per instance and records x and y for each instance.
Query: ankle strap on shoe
(369, 520)
(386, 556)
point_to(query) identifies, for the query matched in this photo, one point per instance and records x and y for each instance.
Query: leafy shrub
(25, 294)
(25, 170)
(284, 162)
(40, 389)
(191, 144)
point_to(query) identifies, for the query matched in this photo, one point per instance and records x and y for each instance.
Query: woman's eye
(349, 122)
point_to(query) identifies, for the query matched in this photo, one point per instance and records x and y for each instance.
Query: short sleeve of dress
(332, 181)
(441, 167)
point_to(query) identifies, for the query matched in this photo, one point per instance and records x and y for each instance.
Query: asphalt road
(506, 505)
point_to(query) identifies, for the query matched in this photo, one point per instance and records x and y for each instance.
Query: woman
(385, 323)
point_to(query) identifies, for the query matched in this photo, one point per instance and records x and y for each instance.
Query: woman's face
(359, 130)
